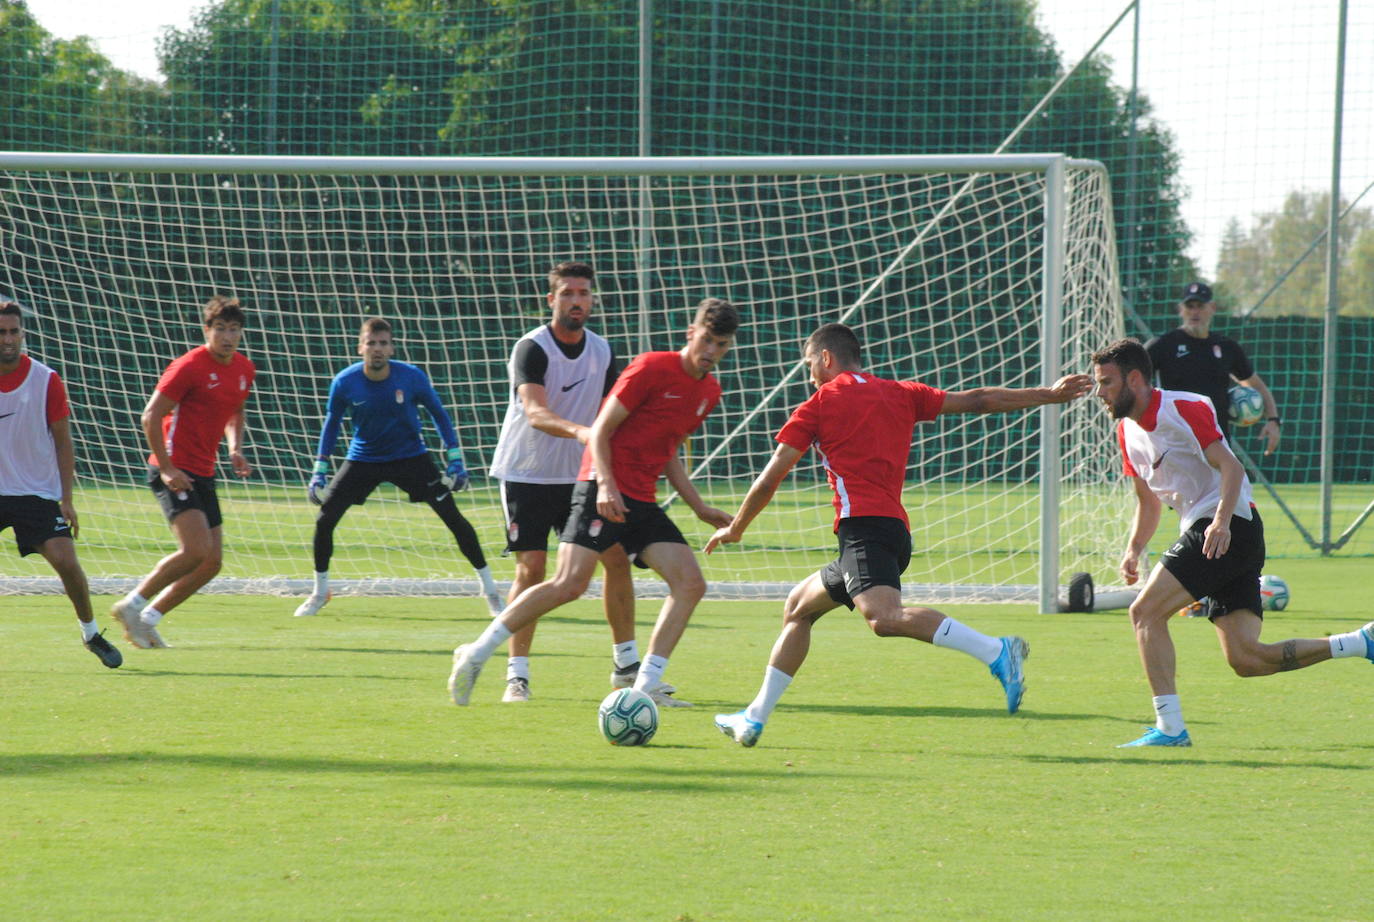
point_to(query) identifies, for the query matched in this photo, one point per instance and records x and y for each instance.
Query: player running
(38, 470)
(658, 401)
(382, 397)
(197, 402)
(861, 427)
(1174, 452)
(559, 374)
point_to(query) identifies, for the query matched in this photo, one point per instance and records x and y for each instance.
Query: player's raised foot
(463, 676)
(1009, 668)
(135, 631)
(662, 693)
(1196, 609)
(312, 604)
(1153, 737)
(105, 650)
(1368, 632)
(739, 728)
(517, 689)
(495, 604)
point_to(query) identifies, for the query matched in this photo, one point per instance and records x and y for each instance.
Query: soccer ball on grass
(627, 717)
(1273, 593)
(1247, 406)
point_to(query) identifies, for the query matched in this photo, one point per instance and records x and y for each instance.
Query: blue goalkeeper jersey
(384, 415)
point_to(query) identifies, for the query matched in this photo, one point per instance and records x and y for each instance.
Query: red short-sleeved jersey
(861, 426)
(207, 395)
(666, 405)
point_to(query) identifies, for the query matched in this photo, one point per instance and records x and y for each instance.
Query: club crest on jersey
(214, 381)
(594, 528)
(1182, 351)
(400, 396)
(1216, 350)
(243, 382)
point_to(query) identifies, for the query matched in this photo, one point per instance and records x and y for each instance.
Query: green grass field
(279, 768)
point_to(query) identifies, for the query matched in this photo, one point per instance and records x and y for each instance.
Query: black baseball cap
(1197, 291)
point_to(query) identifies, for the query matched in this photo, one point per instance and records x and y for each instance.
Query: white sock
(965, 639)
(488, 584)
(321, 582)
(775, 682)
(1168, 715)
(150, 616)
(626, 654)
(518, 667)
(651, 672)
(88, 629)
(1352, 644)
(135, 601)
(485, 645)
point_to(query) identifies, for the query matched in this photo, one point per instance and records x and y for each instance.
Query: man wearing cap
(1192, 358)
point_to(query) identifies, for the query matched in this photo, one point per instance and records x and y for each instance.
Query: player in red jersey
(658, 401)
(38, 471)
(861, 426)
(1174, 451)
(198, 400)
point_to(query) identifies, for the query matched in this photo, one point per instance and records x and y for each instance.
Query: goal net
(959, 272)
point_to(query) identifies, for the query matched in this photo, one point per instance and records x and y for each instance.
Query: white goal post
(959, 271)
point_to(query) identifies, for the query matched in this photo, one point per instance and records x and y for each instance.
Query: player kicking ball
(383, 398)
(38, 471)
(1174, 451)
(861, 426)
(659, 400)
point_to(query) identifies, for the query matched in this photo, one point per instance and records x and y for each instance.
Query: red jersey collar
(10, 382)
(1151, 417)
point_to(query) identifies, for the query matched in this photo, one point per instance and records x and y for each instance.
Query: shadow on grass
(632, 776)
(1139, 757)
(881, 710)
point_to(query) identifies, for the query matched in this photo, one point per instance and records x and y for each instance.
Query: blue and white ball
(1273, 593)
(1247, 406)
(627, 717)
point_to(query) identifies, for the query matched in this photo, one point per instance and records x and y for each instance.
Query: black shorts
(874, 551)
(645, 524)
(201, 496)
(1231, 581)
(354, 481)
(533, 510)
(34, 520)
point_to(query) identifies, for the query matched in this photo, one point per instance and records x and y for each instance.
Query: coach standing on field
(1194, 359)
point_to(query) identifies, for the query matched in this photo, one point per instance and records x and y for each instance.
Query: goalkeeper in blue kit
(383, 398)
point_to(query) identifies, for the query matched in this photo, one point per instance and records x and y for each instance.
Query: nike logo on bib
(568, 387)
(1160, 460)
(3, 415)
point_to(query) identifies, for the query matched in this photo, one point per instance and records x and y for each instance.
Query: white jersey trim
(28, 465)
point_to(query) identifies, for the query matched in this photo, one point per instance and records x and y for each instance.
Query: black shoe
(102, 648)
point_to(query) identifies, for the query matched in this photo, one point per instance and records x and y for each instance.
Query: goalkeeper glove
(317, 482)
(455, 472)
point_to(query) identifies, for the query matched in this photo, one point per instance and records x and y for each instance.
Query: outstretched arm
(1005, 399)
(677, 475)
(759, 496)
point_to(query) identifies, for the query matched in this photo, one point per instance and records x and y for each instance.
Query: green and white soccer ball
(627, 717)
(1273, 593)
(1247, 406)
